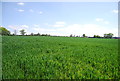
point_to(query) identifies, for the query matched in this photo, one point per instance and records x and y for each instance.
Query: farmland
(44, 57)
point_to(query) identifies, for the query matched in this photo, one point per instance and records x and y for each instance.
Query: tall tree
(4, 31)
(22, 32)
(71, 35)
(38, 34)
(109, 35)
(84, 35)
(32, 34)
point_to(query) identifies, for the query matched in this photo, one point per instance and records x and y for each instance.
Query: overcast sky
(61, 18)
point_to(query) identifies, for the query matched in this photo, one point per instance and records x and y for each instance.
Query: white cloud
(57, 24)
(38, 29)
(115, 11)
(12, 27)
(31, 10)
(19, 27)
(79, 29)
(102, 20)
(99, 19)
(21, 3)
(21, 10)
(88, 29)
(75, 29)
(61, 28)
(40, 12)
(25, 26)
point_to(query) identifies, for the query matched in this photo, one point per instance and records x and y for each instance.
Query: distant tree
(43, 35)
(84, 35)
(13, 34)
(96, 36)
(105, 35)
(38, 34)
(31, 34)
(4, 31)
(76, 36)
(48, 35)
(71, 35)
(109, 35)
(22, 32)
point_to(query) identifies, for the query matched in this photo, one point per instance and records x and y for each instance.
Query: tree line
(4, 31)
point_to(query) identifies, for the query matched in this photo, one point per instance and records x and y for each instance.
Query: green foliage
(109, 35)
(71, 35)
(84, 35)
(96, 36)
(22, 32)
(4, 31)
(44, 57)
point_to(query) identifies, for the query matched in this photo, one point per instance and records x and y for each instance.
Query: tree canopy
(109, 35)
(22, 32)
(4, 31)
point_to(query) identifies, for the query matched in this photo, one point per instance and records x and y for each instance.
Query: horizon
(61, 18)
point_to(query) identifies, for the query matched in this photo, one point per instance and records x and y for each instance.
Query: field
(40, 57)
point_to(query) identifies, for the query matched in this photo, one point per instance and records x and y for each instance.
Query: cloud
(21, 10)
(12, 27)
(57, 24)
(31, 10)
(40, 12)
(75, 29)
(79, 29)
(61, 28)
(24, 26)
(115, 11)
(88, 29)
(19, 27)
(38, 29)
(102, 20)
(99, 19)
(20, 3)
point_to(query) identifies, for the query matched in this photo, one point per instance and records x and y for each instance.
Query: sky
(61, 18)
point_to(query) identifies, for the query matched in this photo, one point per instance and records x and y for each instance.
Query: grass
(39, 57)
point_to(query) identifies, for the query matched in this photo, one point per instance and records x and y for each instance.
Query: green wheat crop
(42, 57)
